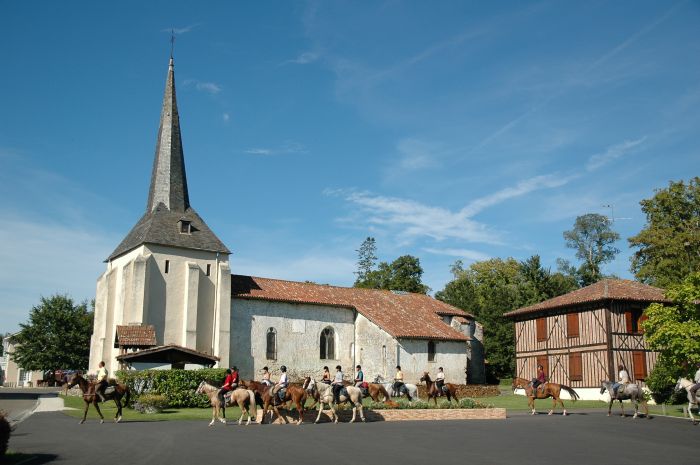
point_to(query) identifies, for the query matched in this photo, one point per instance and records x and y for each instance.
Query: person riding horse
(228, 386)
(440, 379)
(101, 383)
(359, 376)
(398, 381)
(337, 383)
(266, 376)
(693, 390)
(622, 378)
(326, 378)
(540, 380)
(281, 385)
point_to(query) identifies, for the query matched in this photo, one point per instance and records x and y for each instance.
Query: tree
(669, 244)
(674, 330)
(490, 288)
(593, 239)
(56, 336)
(403, 274)
(366, 258)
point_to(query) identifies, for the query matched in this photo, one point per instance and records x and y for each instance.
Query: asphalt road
(583, 438)
(19, 403)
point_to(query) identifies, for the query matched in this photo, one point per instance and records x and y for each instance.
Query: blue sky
(446, 130)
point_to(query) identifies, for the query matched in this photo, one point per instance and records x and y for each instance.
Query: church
(168, 298)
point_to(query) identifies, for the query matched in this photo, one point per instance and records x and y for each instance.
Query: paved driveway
(584, 438)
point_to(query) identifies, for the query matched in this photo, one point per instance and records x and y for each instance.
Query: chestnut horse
(89, 396)
(552, 390)
(294, 393)
(245, 398)
(434, 392)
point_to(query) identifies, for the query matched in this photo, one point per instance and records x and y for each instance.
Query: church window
(185, 227)
(327, 343)
(431, 351)
(208, 269)
(271, 350)
(167, 266)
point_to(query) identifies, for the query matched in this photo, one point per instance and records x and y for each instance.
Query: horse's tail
(252, 410)
(384, 393)
(574, 395)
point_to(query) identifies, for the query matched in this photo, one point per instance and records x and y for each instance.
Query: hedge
(177, 386)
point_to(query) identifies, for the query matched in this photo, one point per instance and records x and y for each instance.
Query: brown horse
(434, 392)
(294, 394)
(552, 390)
(245, 398)
(89, 396)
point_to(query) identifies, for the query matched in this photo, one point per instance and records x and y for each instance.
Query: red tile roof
(135, 336)
(607, 289)
(402, 315)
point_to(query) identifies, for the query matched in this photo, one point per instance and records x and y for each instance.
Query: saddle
(109, 390)
(343, 392)
(444, 389)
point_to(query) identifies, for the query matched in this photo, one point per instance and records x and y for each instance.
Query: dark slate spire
(168, 180)
(169, 218)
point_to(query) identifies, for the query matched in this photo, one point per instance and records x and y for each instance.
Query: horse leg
(359, 406)
(118, 415)
(622, 409)
(610, 407)
(214, 415)
(531, 404)
(554, 405)
(87, 406)
(320, 409)
(97, 407)
(690, 413)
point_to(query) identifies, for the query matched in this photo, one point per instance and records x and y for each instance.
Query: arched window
(327, 343)
(431, 351)
(271, 346)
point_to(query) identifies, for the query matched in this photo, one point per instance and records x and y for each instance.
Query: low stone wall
(396, 415)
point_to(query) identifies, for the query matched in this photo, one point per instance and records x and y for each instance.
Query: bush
(150, 403)
(5, 430)
(662, 381)
(176, 386)
(421, 404)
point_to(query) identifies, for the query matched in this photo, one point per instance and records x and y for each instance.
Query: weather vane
(172, 42)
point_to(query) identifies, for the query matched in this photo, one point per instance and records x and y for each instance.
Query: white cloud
(612, 153)
(226, 117)
(181, 30)
(202, 86)
(289, 147)
(303, 59)
(415, 154)
(471, 255)
(319, 266)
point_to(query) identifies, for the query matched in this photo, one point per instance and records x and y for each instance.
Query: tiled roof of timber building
(135, 336)
(402, 315)
(607, 289)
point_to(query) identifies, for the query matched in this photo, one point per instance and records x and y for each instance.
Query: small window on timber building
(572, 325)
(185, 227)
(167, 266)
(639, 360)
(575, 367)
(633, 321)
(208, 269)
(431, 351)
(541, 329)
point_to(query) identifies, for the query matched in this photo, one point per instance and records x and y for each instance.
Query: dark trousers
(440, 383)
(336, 392)
(222, 402)
(397, 387)
(100, 388)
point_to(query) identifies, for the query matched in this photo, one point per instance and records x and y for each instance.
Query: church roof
(401, 314)
(606, 289)
(168, 199)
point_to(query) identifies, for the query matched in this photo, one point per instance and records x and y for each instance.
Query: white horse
(240, 396)
(411, 389)
(325, 396)
(684, 383)
(629, 391)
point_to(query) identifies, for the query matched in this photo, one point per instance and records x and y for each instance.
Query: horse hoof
(550, 412)
(102, 422)
(564, 414)
(81, 422)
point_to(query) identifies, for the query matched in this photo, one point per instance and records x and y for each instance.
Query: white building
(12, 375)
(172, 272)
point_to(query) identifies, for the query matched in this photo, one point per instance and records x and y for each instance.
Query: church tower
(170, 271)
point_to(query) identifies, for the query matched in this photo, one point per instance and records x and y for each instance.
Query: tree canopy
(56, 336)
(488, 289)
(668, 247)
(593, 239)
(403, 274)
(366, 258)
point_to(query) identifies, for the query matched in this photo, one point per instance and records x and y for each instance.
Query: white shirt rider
(624, 377)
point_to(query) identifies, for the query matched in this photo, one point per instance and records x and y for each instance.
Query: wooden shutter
(544, 361)
(639, 360)
(575, 367)
(541, 329)
(572, 325)
(628, 322)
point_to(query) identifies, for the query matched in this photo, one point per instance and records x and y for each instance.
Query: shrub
(662, 381)
(5, 430)
(150, 403)
(176, 386)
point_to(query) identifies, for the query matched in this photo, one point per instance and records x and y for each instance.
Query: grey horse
(624, 392)
(684, 383)
(409, 390)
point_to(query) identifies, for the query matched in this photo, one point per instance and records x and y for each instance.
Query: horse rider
(337, 383)
(694, 388)
(359, 376)
(326, 379)
(540, 380)
(282, 383)
(235, 377)
(101, 383)
(228, 381)
(398, 380)
(266, 377)
(440, 379)
(623, 378)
